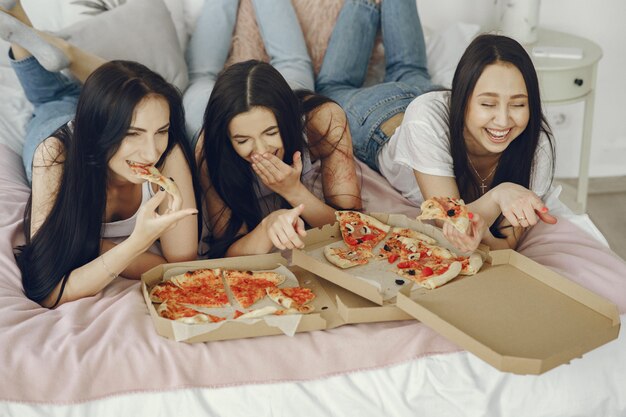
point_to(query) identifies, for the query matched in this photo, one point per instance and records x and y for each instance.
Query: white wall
(600, 21)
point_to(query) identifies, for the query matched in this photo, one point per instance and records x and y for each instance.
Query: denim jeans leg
(206, 55)
(350, 47)
(405, 48)
(284, 42)
(54, 98)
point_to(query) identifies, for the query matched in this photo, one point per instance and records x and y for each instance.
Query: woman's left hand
(521, 206)
(466, 242)
(277, 175)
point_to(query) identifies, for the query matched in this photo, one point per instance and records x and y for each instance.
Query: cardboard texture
(334, 306)
(517, 315)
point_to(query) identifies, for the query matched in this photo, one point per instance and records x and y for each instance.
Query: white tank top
(123, 228)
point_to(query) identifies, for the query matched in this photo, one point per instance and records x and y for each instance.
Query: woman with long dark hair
(259, 139)
(485, 140)
(90, 218)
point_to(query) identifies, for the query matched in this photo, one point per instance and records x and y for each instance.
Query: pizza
(348, 257)
(207, 292)
(152, 174)
(395, 249)
(470, 265)
(358, 229)
(292, 298)
(248, 287)
(429, 272)
(174, 311)
(447, 209)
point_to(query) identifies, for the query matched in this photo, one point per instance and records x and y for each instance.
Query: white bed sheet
(455, 384)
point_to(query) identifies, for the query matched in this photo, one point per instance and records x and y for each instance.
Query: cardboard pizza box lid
(516, 314)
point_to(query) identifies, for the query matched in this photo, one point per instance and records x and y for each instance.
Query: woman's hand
(466, 242)
(285, 227)
(151, 225)
(277, 175)
(521, 206)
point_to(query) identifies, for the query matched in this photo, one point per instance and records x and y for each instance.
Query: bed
(100, 356)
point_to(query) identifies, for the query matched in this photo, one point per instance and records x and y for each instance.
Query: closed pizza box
(516, 314)
(334, 306)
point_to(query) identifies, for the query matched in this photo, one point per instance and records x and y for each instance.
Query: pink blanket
(106, 345)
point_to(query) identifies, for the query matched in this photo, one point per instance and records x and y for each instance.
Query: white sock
(49, 56)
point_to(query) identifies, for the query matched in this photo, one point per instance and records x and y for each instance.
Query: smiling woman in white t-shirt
(486, 141)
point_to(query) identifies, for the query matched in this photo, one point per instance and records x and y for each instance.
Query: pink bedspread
(106, 345)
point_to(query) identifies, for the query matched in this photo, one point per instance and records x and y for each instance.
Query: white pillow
(139, 30)
(444, 49)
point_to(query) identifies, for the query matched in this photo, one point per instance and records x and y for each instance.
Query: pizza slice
(394, 248)
(152, 174)
(426, 250)
(447, 209)
(470, 265)
(292, 298)
(201, 288)
(429, 273)
(174, 311)
(358, 229)
(248, 287)
(348, 257)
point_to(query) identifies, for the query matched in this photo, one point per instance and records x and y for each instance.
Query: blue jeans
(345, 67)
(54, 97)
(210, 43)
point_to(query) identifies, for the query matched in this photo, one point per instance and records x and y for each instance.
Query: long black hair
(238, 89)
(70, 235)
(516, 163)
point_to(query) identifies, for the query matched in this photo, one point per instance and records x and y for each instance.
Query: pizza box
(516, 314)
(334, 306)
(312, 259)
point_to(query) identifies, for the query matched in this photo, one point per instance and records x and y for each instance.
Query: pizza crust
(475, 262)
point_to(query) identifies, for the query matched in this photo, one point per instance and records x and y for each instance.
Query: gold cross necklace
(483, 187)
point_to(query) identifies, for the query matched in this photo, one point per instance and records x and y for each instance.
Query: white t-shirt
(422, 143)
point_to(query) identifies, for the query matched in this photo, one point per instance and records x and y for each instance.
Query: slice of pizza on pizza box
(243, 307)
(232, 309)
(379, 276)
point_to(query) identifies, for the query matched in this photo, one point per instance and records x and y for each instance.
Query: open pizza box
(367, 290)
(325, 316)
(515, 314)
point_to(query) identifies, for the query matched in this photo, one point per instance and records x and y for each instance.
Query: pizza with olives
(358, 229)
(447, 209)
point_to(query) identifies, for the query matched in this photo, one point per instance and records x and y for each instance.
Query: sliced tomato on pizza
(447, 209)
(429, 272)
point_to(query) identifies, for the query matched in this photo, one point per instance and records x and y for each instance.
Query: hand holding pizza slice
(447, 209)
